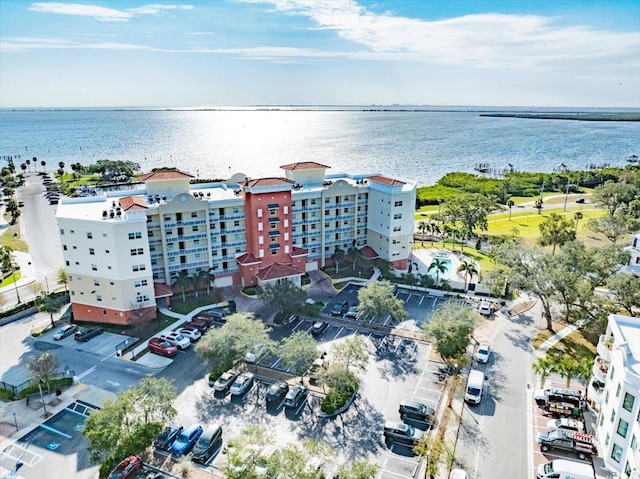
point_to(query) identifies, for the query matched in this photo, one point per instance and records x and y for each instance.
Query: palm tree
(182, 280)
(61, 165)
(208, 277)
(510, 205)
(434, 229)
(62, 278)
(47, 303)
(515, 231)
(577, 216)
(469, 268)
(543, 367)
(23, 167)
(422, 227)
(440, 266)
(568, 368)
(43, 164)
(28, 162)
(353, 253)
(337, 257)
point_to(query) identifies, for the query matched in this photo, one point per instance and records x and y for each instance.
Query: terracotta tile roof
(268, 182)
(295, 251)
(368, 252)
(386, 181)
(248, 258)
(304, 165)
(162, 290)
(133, 203)
(164, 175)
(276, 271)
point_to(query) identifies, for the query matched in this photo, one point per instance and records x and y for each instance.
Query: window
(273, 212)
(64, 247)
(137, 251)
(273, 226)
(89, 235)
(61, 232)
(397, 216)
(104, 235)
(236, 223)
(194, 214)
(92, 251)
(94, 267)
(139, 283)
(135, 235)
(613, 415)
(397, 229)
(106, 251)
(194, 228)
(98, 297)
(634, 442)
(616, 453)
(96, 282)
(623, 426)
(619, 388)
(628, 402)
(141, 267)
(398, 203)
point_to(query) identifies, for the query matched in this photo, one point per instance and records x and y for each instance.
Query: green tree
(128, 424)
(12, 208)
(614, 195)
(43, 164)
(246, 453)
(440, 267)
(353, 253)
(422, 228)
(207, 277)
(376, 300)
(241, 334)
(304, 461)
(567, 368)
(182, 279)
(48, 303)
(510, 204)
(556, 231)
(352, 351)
(612, 227)
(43, 367)
(298, 351)
(577, 217)
(451, 327)
(543, 367)
(470, 270)
(471, 209)
(357, 470)
(626, 288)
(337, 257)
(288, 297)
(6, 259)
(63, 278)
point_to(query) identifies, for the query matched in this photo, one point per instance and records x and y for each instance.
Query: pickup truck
(577, 442)
(557, 395)
(562, 409)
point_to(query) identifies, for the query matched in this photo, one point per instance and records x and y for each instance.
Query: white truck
(475, 386)
(564, 469)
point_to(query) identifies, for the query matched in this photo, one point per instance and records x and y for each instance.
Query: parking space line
(338, 333)
(386, 320)
(421, 300)
(31, 458)
(297, 326)
(274, 364)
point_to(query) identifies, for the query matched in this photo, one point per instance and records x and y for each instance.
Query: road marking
(274, 364)
(421, 300)
(133, 371)
(31, 457)
(113, 383)
(300, 323)
(338, 333)
(85, 373)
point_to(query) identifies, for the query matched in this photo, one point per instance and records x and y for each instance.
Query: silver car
(242, 384)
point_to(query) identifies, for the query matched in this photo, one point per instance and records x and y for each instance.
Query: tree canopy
(43, 367)
(352, 351)
(285, 295)
(471, 209)
(376, 300)
(451, 327)
(556, 231)
(298, 351)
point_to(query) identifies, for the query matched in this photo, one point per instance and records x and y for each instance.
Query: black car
(296, 396)
(166, 437)
(86, 334)
(208, 443)
(402, 433)
(344, 308)
(318, 328)
(290, 320)
(416, 411)
(276, 393)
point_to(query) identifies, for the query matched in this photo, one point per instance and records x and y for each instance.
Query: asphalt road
(494, 439)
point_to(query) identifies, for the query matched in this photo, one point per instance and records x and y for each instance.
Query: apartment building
(634, 249)
(125, 250)
(615, 389)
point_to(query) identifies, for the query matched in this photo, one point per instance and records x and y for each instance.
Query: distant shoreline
(568, 116)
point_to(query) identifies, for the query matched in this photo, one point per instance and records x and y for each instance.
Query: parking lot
(398, 369)
(539, 424)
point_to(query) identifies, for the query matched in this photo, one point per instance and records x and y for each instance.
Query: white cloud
(492, 40)
(103, 14)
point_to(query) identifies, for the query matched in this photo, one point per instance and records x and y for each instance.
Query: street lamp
(15, 420)
(15, 282)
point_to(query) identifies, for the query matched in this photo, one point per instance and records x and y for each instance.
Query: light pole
(15, 282)
(44, 406)
(15, 420)
(46, 282)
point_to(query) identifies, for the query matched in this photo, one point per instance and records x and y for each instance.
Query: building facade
(634, 249)
(615, 388)
(126, 249)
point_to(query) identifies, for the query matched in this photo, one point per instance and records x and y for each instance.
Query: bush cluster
(336, 398)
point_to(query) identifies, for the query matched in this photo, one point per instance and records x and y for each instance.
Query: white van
(475, 385)
(563, 469)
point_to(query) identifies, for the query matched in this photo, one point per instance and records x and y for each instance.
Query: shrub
(54, 382)
(335, 399)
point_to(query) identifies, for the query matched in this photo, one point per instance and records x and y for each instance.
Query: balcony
(596, 394)
(600, 369)
(605, 346)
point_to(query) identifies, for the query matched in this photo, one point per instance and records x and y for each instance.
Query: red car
(162, 347)
(126, 468)
(199, 324)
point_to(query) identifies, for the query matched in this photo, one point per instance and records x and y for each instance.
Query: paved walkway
(557, 337)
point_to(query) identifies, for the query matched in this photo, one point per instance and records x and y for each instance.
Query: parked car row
(279, 393)
(201, 443)
(412, 414)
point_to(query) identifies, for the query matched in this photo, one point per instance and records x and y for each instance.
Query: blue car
(186, 440)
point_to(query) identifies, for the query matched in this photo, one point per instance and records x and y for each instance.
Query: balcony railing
(600, 369)
(595, 394)
(604, 348)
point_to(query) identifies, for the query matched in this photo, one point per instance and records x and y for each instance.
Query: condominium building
(126, 249)
(616, 392)
(634, 249)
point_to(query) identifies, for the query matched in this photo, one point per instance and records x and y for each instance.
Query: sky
(215, 53)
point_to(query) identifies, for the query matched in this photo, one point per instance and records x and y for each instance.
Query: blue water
(421, 145)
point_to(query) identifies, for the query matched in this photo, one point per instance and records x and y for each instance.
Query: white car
(483, 352)
(567, 423)
(177, 339)
(192, 334)
(242, 384)
(485, 308)
(253, 355)
(458, 474)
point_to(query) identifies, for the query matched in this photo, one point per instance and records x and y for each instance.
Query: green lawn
(11, 238)
(9, 280)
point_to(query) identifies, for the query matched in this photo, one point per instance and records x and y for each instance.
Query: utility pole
(566, 195)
